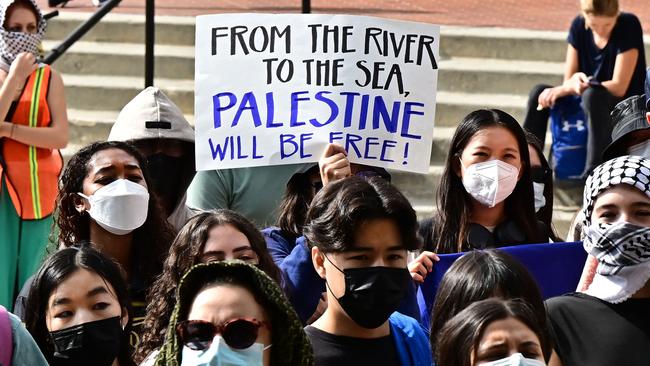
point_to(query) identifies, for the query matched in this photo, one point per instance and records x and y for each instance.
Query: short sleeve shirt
(590, 331)
(599, 63)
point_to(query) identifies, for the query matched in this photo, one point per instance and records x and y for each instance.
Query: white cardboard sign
(275, 89)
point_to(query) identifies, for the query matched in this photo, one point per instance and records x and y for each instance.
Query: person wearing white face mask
(493, 332)
(542, 177)
(613, 313)
(485, 198)
(104, 199)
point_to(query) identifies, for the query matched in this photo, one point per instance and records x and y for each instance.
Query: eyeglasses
(539, 174)
(238, 333)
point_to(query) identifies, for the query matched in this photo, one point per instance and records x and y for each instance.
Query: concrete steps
(479, 68)
(124, 59)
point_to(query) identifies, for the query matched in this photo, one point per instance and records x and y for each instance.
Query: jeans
(597, 103)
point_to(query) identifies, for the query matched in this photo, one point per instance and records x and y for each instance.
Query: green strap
(33, 162)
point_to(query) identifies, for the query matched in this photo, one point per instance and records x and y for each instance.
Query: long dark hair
(454, 203)
(54, 271)
(479, 275)
(545, 214)
(151, 240)
(292, 212)
(184, 253)
(461, 336)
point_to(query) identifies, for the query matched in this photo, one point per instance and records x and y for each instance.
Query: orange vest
(32, 173)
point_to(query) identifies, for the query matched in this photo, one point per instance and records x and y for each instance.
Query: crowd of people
(127, 256)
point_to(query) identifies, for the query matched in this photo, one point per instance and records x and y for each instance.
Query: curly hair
(184, 253)
(153, 237)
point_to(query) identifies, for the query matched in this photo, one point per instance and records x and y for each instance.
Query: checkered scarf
(620, 245)
(617, 246)
(13, 43)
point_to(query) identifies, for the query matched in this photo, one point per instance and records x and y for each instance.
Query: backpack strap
(6, 338)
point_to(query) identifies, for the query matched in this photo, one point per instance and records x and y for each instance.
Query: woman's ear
(79, 202)
(317, 259)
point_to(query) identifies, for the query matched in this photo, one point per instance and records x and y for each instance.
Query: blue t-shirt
(599, 63)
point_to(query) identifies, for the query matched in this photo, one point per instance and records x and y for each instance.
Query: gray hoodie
(152, 115)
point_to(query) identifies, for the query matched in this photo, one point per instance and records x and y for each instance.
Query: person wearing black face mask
(157, 127)
(359, 232)
(78, 310)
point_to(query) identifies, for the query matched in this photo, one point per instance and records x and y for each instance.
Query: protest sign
(275, 89)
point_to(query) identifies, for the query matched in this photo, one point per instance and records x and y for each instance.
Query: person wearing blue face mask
(210, 236)
(231, 313)
(613, 311)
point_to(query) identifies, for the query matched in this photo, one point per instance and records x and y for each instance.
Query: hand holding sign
(277, 89)
(334, 164)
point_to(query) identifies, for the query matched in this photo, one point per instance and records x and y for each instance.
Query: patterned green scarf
(290, 343)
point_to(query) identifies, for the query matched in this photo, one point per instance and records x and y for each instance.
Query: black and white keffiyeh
(622, 249)
(631, 170)
(617, 246)
(13, 43)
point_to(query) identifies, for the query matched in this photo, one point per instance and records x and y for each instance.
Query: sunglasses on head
(539, 174)
(238, 333)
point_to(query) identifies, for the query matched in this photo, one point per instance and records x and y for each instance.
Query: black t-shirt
(590, 331)
(330, 349)
(593, 61)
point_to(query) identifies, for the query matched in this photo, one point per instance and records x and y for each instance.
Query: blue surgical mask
(516, 359)
(220, 354)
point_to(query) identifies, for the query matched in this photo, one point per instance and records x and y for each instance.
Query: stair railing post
(149, 30)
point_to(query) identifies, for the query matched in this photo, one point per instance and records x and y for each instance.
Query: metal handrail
(80, 31)
(107, 6)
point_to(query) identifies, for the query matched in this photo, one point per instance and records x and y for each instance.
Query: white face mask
(642, 149)
(516, 359)
(119, 207)
(220, 354)
(490, 182)
(540, 200)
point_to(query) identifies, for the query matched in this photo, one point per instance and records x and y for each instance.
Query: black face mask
(372, 294)
(93, 343)
(165, 172)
